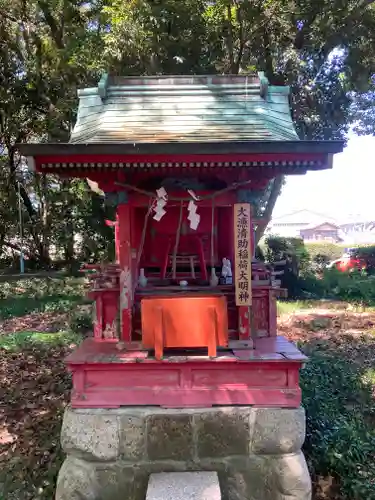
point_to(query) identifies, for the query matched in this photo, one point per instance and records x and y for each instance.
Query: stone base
(255, 451)
(202, 485)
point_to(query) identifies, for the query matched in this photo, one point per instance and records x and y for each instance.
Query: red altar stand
(186, 317)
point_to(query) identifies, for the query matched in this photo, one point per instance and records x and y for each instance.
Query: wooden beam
(126, 278)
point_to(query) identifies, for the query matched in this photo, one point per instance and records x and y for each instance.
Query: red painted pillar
(125, 258)
(117, 240)
(230, 240)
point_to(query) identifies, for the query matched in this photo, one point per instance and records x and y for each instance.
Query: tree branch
(15, 247)
(268, 60)
(5, 15)
(230, 37)
(12, 168)
(238, 59)
(56, 31)
(365, 3)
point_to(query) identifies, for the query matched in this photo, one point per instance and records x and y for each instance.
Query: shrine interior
(170, 252)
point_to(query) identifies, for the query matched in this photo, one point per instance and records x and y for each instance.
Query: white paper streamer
(162, 197)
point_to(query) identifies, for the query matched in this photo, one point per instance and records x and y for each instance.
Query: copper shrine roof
(183, 109)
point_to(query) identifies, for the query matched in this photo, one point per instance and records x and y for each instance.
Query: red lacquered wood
(251, 382)
(161, 237)
(126, 291)
(103, 377)
(272, 314)
(183, 322)
(244, 323)
(90, 267)
(222, 200)
(264, 311)
(220, 158)
(98, 321)
(107, 303)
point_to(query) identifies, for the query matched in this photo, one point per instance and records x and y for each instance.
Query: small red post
(244, 323)
(272, 314)
(126, 287)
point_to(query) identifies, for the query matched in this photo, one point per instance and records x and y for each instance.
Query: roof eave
(223, 147)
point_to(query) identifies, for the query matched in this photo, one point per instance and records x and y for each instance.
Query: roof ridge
(304, 210)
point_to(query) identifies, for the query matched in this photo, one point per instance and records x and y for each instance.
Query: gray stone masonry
(200, 485)
(255, 451)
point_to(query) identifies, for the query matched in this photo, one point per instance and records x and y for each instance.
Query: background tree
(323, 50)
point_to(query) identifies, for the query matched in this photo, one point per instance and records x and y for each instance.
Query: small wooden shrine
(186, 316)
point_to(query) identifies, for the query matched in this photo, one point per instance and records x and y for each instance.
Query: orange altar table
(185, 322)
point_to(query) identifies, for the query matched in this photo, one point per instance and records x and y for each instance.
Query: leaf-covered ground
(34, 385)
(338, 385)
(34, 390)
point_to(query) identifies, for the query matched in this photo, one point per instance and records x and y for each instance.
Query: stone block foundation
(202, 485)
(112, 453)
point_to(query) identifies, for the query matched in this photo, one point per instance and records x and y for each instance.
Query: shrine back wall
(158, 233)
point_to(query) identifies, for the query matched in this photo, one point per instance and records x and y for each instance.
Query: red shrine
(186, 316)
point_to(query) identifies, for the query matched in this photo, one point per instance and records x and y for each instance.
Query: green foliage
(367, 251)
(290, 307)
(21, 340)
(296, 267)
(340, 440)
(293, 249)
(306, 274)
(354, 286)
(39, 295)
(324, 251)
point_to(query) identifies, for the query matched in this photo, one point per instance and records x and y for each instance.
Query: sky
(346, 190)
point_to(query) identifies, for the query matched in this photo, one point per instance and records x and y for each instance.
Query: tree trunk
(277, 184)
(69, 242)
(43, 254)
(13, 180)
(69, 225)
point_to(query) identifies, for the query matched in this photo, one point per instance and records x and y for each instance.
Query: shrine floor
(268, 375)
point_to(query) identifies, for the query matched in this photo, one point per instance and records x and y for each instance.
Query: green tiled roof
(183, 109)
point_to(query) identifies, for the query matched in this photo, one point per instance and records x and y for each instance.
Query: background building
(313, 226)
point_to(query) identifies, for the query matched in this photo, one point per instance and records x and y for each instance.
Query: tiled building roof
(302, 217)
